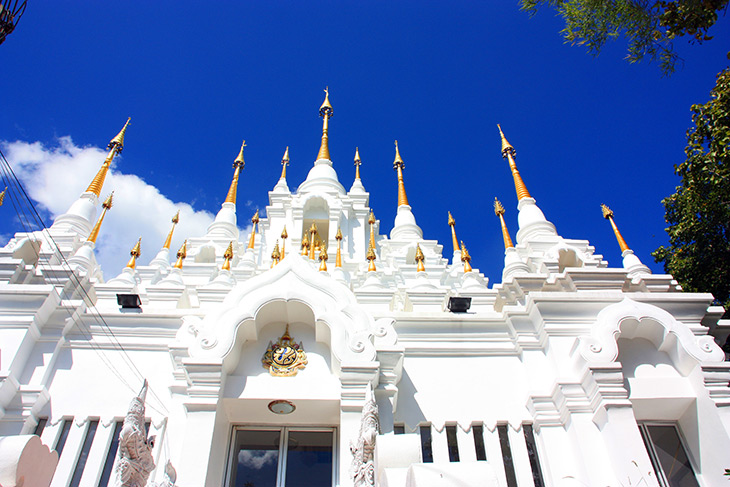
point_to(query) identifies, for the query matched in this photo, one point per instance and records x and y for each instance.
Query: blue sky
(197, 77)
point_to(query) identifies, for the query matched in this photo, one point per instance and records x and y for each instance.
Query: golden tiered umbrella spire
(326, 112)
(238, 164)
(499, 211)
(116, 145)
(357, 163)
(181, 254)
(508, 152)
(452, 224)
(175, 221)
(608, 215)
(419, 259)
(284, 236)
(227, 256)
(284, 163)
(371, 258)
(106, 205)
(276, 256)
(255, 221)
(135, 253)
(323, 258)
(312, 234)
(465, 258)
(338, 258)
(371, 221)
(398, 165)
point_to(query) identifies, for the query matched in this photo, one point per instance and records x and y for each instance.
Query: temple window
(668, 455)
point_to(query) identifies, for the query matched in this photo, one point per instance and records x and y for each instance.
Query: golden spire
(608, 215)
(135, 252)
(452, 224)
(227, 256)
(238, 164)
(305, 245)
(284, 163)
(338, 258)
(323, 258)
(2, 195)
(371, 221)
(371, 258)
(106, 205)
(357, 163)
(508, 152)
(254, 220)
(499, 211)
(275, 255)
(181, 254)
(398, 165)
(175, 220)
(115, 147)
(284, 236)
(419, 259)
(465, 258)
(312, 233)
(326, 112)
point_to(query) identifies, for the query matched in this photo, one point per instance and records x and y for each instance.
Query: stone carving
(362, 468)
(134, 457)
(170, 477)
(285, 357)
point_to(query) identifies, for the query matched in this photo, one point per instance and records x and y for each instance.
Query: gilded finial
(371, 218)
(239, 159)
(305, 245)
(452, 224)
(312, 233)
(398, 165)
(227, 256)
(323, 258)
(181, 254)
(338, 257)
(115, 147)
(419, 259)
(465, 258)
(2, 195)
(508, 152)
(238, 164)
(106, 206)
(371, 258)
(275, 255)
(371, 221)
(608, 215)
(118, 141)
(135, 253)
(357, 163)
(175, 221)
(326, 112)
(284, 162)
(254, 221)
(499, 211)
(284, 236)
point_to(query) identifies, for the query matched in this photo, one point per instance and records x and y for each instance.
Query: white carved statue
(362, 468)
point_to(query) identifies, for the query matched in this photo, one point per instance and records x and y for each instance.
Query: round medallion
(281, 407)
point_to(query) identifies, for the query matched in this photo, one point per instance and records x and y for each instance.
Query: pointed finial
(498, 208)
(2, 195)
(284, 235)
(506, 146)
(398, 165)
(118, 141)
(398, 159)
(419, 259)
(357, 163)
(239, 159)
(255, 217)
(323, 258)
(371, 221)
(254, 221)
(305, 245)
(227, 256)
(181, 254)
(326, 108)
(175, 221)
(452, 224)
(508, 152)
(465, 258)
(284, 162)
(499, 211)
(106, 205)
(275, 255)
(326, 112)
(312, 233)
(135, 252)
(371, 218)
(608, 215)
(338, 257)
(238, 164)
(451, 220)
(371, 258)
(338, 236)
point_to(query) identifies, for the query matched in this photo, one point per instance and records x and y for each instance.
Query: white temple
(317, 351)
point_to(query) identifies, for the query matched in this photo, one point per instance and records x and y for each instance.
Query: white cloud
(54, 177)
(257, 459)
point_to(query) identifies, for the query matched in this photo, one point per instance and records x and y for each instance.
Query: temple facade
(317, 351)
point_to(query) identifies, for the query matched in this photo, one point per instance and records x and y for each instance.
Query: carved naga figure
(134, 457)
(362, 468)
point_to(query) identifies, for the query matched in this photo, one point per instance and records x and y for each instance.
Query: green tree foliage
(698, 255)
(650, 26)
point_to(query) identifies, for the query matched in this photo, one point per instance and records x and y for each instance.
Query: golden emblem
(285, 357)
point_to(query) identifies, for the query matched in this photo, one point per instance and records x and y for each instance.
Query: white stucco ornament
(362, 468)
(134, 458)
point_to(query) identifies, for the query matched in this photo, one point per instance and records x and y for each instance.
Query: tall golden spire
(116, 145)
(323, 258)
(106, 205)
(284, 163)
(284, 236)
(371, 221)
(508, 152)
(499, 211)
(238, 164)
(326, 112)
(312, 233)
(2, 195)
(338, 258)
(465, 258)
(135, 252)
(275, 255)
(227, 256)
(398, 165)
(357, 163)
(419, 259)
(254, 221)
(175, 220)
(371, 258)
(452, 224)
(608, 215)
(181, 254)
